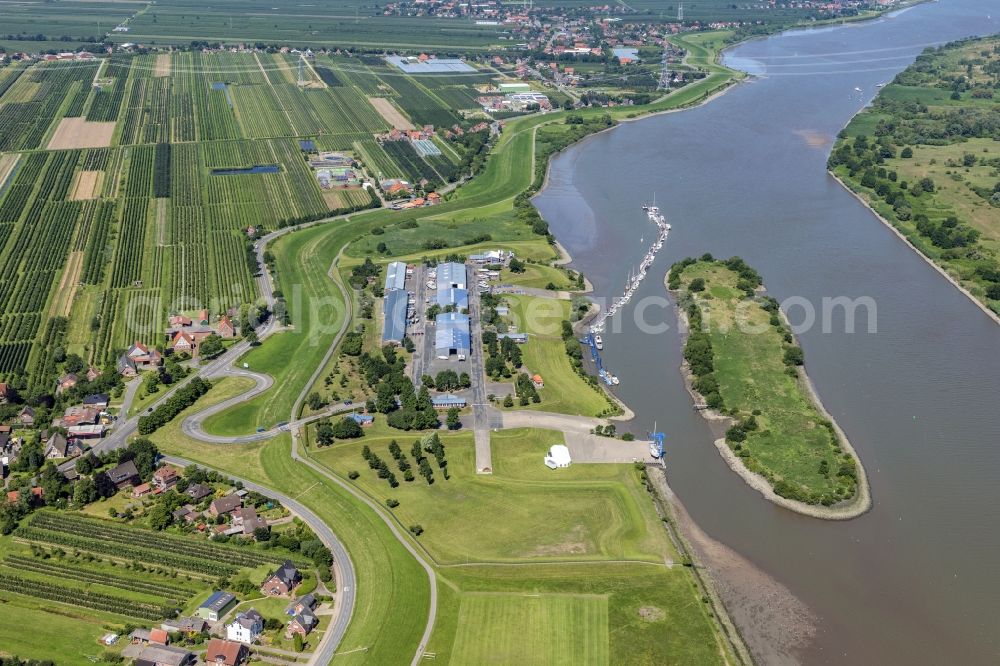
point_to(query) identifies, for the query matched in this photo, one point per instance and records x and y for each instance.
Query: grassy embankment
(925, 157)
(751, 364)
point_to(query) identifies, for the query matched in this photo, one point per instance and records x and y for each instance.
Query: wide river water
(915, 580)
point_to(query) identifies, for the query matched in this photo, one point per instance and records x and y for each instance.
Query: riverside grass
(793, 445)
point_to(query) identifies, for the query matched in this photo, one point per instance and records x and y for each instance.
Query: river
(916, 579)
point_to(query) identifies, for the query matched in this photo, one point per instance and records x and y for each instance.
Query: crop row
(97, 251)
(91, 527)
(126, 551)
(76, 596)
(14, 356)
(84, 575)
(128, 258)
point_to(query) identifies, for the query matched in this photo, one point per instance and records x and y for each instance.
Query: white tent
(558, 456)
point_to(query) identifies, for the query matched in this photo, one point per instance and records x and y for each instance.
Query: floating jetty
(635, 279)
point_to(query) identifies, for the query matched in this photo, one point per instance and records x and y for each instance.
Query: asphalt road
(480, 405)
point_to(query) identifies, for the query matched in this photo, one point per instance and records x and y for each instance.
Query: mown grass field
(603, 513)
(531, 629)
(565, 392)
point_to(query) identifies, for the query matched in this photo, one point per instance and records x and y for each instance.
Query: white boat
(615, 380)
(857, 89)
(598, 342)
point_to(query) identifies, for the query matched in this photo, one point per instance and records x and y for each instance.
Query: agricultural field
(95, 575)
(135, 198)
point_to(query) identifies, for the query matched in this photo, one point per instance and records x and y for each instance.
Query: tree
(385, 398)
(324, 433)
(452, 419)
(297, 641)
(143, 453)
(316, 402)
(211, 346)
(160, 517)
(696, 285)
(84, 492)
(516, 265)
(347, 428)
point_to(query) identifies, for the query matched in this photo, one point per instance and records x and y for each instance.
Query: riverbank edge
(670, 509)
(857, 506)
(903, 237)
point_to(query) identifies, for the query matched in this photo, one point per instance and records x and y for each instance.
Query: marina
(635, 278)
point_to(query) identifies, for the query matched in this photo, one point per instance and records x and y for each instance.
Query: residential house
(185, 625)
(216, 606)
(225, 328)
(302, 624)
(185, 513)
(164, 655)
(225, 653)
(165, 477)
(246, 627)
(27, 417)
(124, 475)
(138, 357)
(78, 415)
(247, 520)
(92, 373)
(537, 381)
(198, 492)
(98, 401)
(178, 320)
(57, 446)
(142, 490)
(6, 393)
(36, 498)
(220, 506)
(363, 420)
(184, 343)
(66, 382)
(305, 602)
(282, 581)
(157, 636)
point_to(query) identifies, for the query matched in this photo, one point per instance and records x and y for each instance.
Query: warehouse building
(451, 296)
(451, 275)
(394, 320)
(395, 276)
(451, 335)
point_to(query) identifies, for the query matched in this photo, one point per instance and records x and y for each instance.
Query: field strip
(7, 164)
(161, 222)
(81, 133)
(62, 304)
(262, 70)
(87, 183)
(316, 77)
(390, 113)
(162, 67)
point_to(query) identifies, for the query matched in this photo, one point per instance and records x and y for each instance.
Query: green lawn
(564, 392)
(531, 629)
(603, 512)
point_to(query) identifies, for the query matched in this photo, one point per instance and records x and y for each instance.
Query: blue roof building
(452, 296)
(451, 335)
(394, 324)
(451, 275)
(395, 276)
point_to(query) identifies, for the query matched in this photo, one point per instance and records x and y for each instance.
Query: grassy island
(926, 158)
(744, 364)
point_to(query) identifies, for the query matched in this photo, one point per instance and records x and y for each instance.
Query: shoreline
(857, 506)
(899, 234)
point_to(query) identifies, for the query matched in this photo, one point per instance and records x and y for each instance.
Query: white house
(558, 456)
(246, 627)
